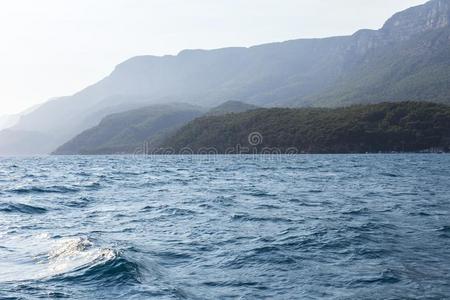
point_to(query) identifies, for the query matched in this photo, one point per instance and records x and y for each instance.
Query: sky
(52, 48)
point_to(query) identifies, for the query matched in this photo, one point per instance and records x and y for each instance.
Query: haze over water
(225, 227)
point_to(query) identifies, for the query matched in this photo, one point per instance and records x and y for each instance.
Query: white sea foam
(74, 253)
(43, 236)
(42, 257)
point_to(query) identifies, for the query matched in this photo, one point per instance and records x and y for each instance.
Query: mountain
(407, 59)
(146, 127)
(7, 121)
(231, 107)
(20, 142)
(131, 131)
(404, 126)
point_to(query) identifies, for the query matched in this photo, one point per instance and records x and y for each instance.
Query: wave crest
(42, 190)
(78, 260)
(21, 208)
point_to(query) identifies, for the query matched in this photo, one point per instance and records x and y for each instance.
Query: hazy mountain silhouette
(231, 107)
(141, 129)
(131, 131)
(407, 59)
(7, 121)
(21, 142)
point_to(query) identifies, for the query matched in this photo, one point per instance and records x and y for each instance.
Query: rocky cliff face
(434, 14)
(403, 26)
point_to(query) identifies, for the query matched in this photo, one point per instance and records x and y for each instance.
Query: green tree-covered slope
(129, 131)
(385, 127)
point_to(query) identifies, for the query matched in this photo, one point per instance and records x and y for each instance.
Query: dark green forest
(385, 127)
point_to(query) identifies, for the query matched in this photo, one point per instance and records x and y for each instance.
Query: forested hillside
(386, 127)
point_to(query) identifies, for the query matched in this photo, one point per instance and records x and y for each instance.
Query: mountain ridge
(125, 132)
(334, 71)
(132, 130)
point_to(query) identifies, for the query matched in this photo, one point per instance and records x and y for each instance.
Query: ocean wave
(175, 211)
(387, 174)
(249, 218)
(144, 237)
(39, 190)
(445, 229)
(260, 255)
(90, 186)
(357, 211)
(80, 261)
(387, 276)
(49, 263)
(21, 208)
(78, 203)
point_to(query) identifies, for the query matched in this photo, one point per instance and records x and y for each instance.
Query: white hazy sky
(56, 47)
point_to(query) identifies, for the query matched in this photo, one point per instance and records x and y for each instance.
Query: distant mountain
(131, 131)
(22, 142)
(7, 121)
(146, 127)
(231, 107)
(19, 142)
(405, 126)
(407, 59)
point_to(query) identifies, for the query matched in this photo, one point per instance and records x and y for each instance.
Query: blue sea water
(225, 227)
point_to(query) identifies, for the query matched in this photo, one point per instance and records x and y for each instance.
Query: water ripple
(238, 227)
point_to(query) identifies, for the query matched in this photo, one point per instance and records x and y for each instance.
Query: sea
(373, 226)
